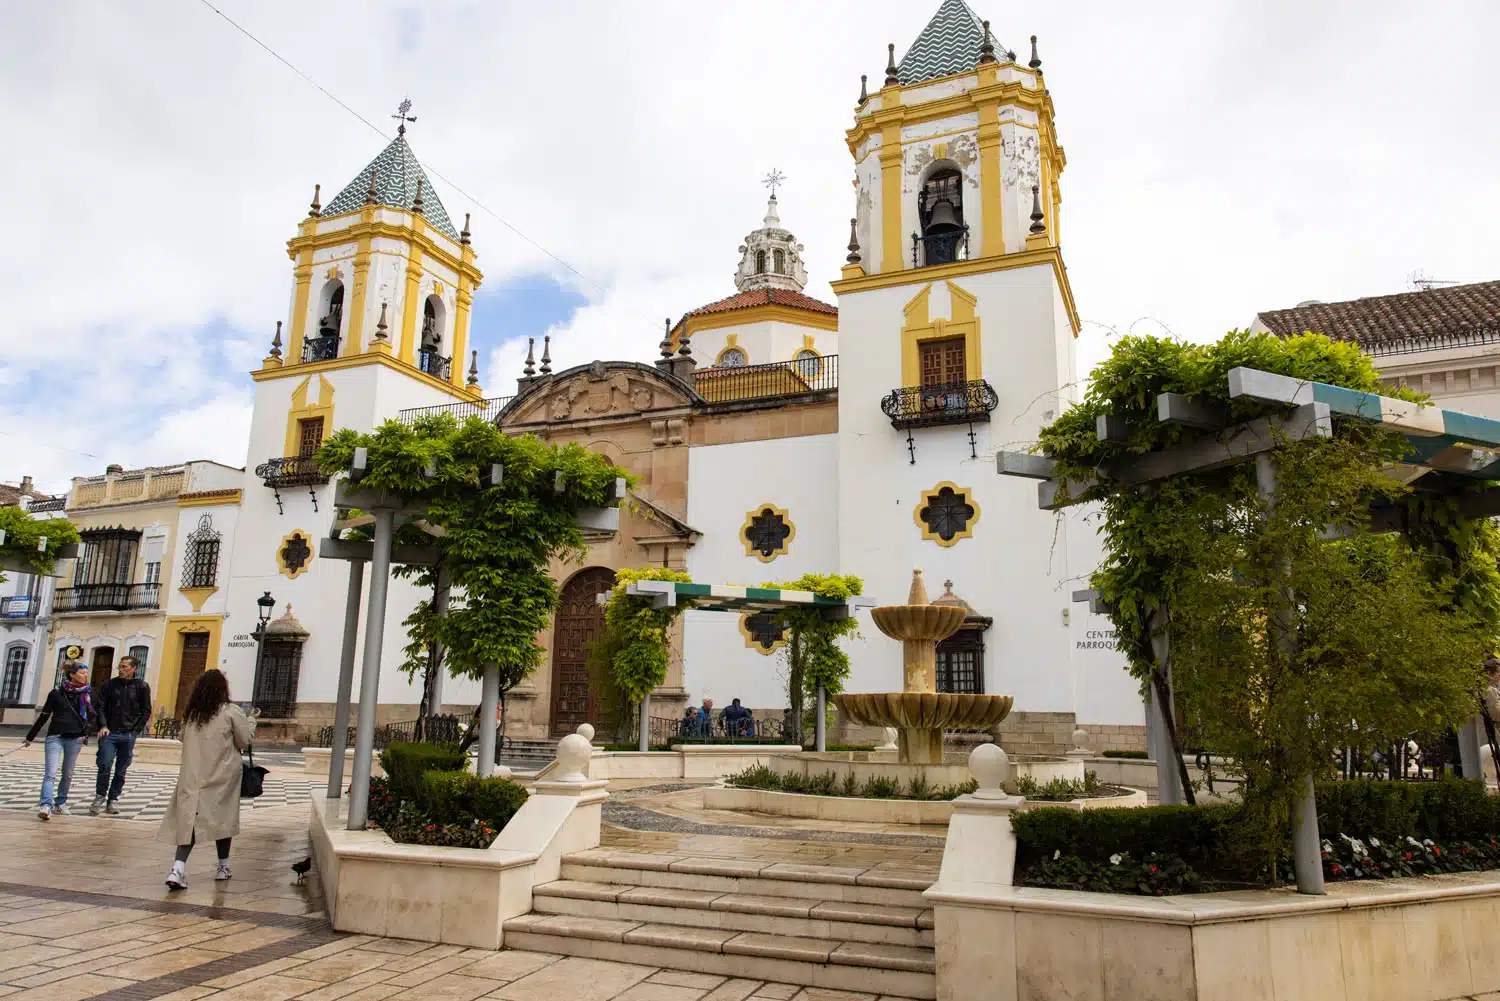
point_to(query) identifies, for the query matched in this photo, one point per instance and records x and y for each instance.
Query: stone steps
(818, 926)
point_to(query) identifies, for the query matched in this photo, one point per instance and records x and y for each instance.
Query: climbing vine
(496, 540)
(813, 656)
(1293, 629)
(24, 535)
(634, 639)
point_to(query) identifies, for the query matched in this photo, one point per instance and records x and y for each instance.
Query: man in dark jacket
(70, 716)
(124, 711)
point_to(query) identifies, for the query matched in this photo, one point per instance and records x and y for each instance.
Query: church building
(773, 435)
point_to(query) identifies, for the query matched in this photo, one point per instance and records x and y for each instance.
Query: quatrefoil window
(764, 632)
(767, 532)
(947, 513)
(294, 554)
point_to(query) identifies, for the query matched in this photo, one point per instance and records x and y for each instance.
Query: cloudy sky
(1222, 159)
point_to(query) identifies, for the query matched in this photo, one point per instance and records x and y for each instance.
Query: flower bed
(828, 784)
(1372, 830)
(429, 799)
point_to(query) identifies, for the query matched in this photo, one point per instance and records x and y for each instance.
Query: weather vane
(401, 113)
(774, 179)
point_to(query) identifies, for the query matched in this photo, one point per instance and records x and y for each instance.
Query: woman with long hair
(207, 798)
(70, 708)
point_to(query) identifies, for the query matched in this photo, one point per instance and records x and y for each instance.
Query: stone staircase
(528, 754)
(819, 926)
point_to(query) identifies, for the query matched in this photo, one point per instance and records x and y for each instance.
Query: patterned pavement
(146, 794)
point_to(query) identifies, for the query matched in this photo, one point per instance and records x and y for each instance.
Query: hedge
(429, 797)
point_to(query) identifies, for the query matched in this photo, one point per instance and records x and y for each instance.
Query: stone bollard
(586, 731)
(1080, 748)
(573, 753)
(981, 847)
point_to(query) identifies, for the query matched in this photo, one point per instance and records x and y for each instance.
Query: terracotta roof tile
(11, 495)
(767, 297)
(1388, 319)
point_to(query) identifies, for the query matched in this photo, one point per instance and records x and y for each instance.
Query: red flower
(1337, 869)
(1407, 856)
(1153, 868)
(1436, 850)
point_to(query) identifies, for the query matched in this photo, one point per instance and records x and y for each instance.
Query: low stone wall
(149, 751)
(1428, 938)
(875, 811)
(683, 761)
(882, 764)
(315, 762)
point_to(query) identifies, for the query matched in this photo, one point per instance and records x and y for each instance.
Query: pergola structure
(384, 511)
(1448, 451)
(732, 598)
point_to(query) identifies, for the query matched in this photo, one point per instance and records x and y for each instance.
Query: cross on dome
(402, 116)
(771, 257)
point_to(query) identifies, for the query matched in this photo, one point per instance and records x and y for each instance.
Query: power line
(332, 97)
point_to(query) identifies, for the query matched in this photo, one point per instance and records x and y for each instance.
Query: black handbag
(252, 776)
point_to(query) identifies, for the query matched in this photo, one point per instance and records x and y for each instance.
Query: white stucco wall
(725, 484)
(763, 341)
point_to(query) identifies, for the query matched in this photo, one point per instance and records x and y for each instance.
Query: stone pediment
(599, 389)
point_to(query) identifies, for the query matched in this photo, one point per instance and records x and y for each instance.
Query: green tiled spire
(396, 173)
(949, 44)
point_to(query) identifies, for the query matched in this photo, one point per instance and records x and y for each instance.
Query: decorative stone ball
(573, 754)
(989, 764)
(1080, 737)
(586, 731)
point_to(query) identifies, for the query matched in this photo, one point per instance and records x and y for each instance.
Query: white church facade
(775, 435)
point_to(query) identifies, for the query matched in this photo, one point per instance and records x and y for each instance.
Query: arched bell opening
(940, 213)
(324, 344)
(430, 356)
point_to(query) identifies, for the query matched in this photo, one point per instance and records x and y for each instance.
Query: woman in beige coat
(207, 798)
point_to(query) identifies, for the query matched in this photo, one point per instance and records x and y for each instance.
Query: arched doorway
(580, 618)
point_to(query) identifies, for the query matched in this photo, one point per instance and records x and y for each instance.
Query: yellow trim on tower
(196, 596)
(962, 323)
(301, 409)
(892, 159)
(171, 656)
(992, 218)
(463, 300)
(928, 496)
(333, 364)
(367, 227)
(303, 274)
(409, 327)
(356, 322)
(752, 642)
(959, 269)
(786, 544)
(281, 567)
(768, 313)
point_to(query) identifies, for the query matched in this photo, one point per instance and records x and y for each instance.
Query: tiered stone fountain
(920, 713)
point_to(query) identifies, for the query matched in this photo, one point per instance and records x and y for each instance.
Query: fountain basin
(918, 622)
(925, 710)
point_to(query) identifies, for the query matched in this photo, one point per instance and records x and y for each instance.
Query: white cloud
(1221, 160)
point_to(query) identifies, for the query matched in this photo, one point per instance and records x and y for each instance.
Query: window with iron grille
(309, 435)
(108, 556)
(202, 566)
(15, 673)
(942, 362)
(960, 663)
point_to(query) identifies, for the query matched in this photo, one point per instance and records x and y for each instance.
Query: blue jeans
(115, 751)
(59, 751)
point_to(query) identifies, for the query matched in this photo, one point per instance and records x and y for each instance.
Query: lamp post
(263, 604)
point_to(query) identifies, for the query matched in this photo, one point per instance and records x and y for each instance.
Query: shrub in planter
(459, 798)
(406, 763)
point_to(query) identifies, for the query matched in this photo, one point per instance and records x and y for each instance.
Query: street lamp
(264, 604)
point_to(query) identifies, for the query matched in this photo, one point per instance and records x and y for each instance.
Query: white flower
(1355, 845)
(1057, 855)
(1115, 859)
(1327, 846)
(1413, 841)
(1375, 842)
(1428, 842)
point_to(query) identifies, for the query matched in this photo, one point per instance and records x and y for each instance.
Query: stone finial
(1037, 226)
(276, 342)
(463, 236)
(530, 369)
(573, 754)
(918, 593)
(987, 47)
(316, 208)
(1080, 748)
(473, 368)
(666, 340)
(547, 355)
(380, 326)
(1036, 60)
(853, 257)
(891, 80)
(864, 93)
(990, 766)
(371, 196)
(684, 347)
(586, 731)
(416, 205)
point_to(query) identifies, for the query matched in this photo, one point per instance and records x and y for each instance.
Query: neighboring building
(1441, 341)
(143, 537)
(25, 616)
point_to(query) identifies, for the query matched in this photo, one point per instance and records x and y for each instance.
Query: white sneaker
(96, 806)
(112, 807)
(177, 878)
(44, 812)
(222, 873)
(62, 809)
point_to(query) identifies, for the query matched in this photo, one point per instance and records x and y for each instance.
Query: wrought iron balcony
(487, 409)
(107, 598)
(321, 348)
(291, 471)
(21, 606)
(943, 247)
(434, 364)
(931, 406)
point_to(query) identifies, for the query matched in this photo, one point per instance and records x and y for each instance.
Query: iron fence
(726, 384)
(107, 598)
(939, 248)
(435, 730)
(434, 364)
(1431, 342)
(486, 409)
(322, 348)
(50, 504)
(291, 471)
(1401, 760)
(665, 731)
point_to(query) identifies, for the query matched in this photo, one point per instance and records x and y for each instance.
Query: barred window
(202, 566)
(960, 663)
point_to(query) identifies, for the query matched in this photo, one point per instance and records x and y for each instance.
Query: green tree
(23, 540)
(813, 656)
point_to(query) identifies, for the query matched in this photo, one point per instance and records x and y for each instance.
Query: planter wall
(684, 761)
(875, 811)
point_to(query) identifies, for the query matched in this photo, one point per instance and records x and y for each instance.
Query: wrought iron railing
(435, 730)
(21, 606)
(434, 364)
(665, 731)
(928, 406)
(1429, 342)
(320, 348)
(107, 598)
(50, 504)
(1402, 760)
(485, 409)
(770, 381)
(291, 471)
(939, 248)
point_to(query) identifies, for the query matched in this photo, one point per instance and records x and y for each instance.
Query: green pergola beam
(732, 598)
